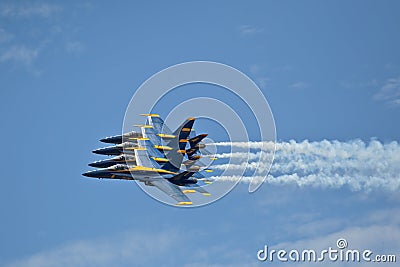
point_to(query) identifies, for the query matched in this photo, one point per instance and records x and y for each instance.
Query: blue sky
(68, 70)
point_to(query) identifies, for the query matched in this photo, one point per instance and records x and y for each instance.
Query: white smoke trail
(359, 165)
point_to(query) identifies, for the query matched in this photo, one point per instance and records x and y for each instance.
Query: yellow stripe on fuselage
(142, 168)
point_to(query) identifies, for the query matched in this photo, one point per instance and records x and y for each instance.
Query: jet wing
(142, 158)
(158, 125)
(151, 150)
(151, 133)
(172, 191)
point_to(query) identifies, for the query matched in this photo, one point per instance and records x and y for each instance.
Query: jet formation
(156, 156)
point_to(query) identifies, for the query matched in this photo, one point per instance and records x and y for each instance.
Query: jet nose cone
(87, 174)
(96, 151)
(93, 164)
(100, 151)
(95, 173)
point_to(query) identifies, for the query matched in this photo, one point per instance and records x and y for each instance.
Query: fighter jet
(153, 120)
(150, 173)
(124, 172)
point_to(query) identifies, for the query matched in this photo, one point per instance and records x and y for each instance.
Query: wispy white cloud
(130, 247)
(260, 77)
(361, 238)
(378, 232)
(254, 69)
(299, 85)
(360, 84)
(20, 54)
(390, 92)
(5, 36)
(391, 66)
(136, 249)
(28, 10)
(74, 47)
(24, 48)
(284, 68)
(358, 165)
(249, 30)
(27, 52)
(262, 81)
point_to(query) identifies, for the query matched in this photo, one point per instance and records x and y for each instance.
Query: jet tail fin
(183, 131)
(178, 145)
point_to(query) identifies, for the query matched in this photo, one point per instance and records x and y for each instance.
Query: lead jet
(153, 120)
